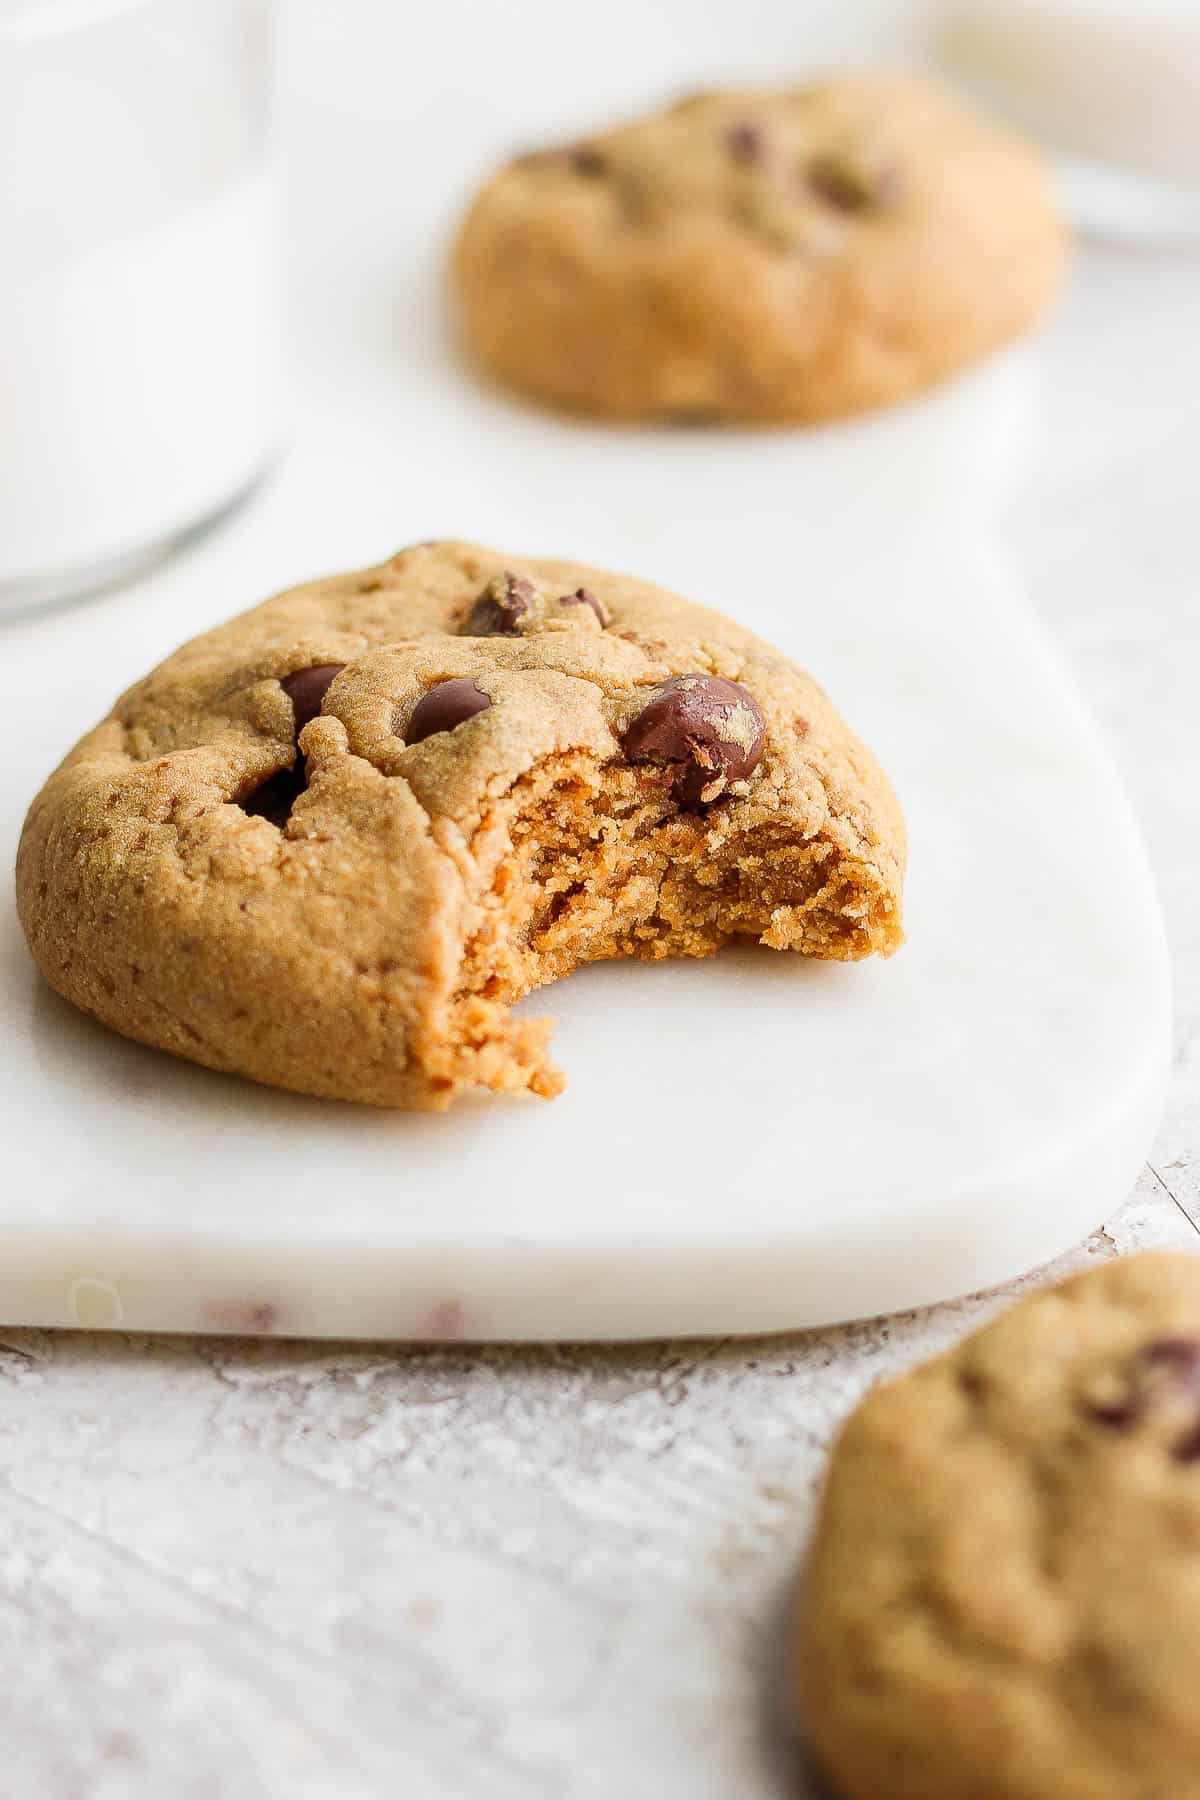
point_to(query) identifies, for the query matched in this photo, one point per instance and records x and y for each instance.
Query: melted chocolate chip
(1180, 1355)
(274, 798)
(587, 160)
(445, 706)
(585, 597)
(709, 729)
(746, 143)
(498, 608)
(1164, 1375)
(849, 186)
(306, 690)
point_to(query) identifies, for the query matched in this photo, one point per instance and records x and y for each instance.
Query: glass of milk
(1112, 86)
(139, 334)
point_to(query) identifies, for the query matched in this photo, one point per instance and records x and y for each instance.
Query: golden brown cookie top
(331, 842)
(567, 655)
(801, 168)
(1007, 1562)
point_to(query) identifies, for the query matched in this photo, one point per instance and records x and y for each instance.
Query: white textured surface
(234, 1571)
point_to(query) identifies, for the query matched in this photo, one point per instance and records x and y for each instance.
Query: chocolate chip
(850, 186)
(585, 597)
(746, 143)
(1179, 1355)
(274, 798)
(1187, 1448)
(1164, 1374)
(445, 706)
(587, 160)
(502, 602)
(581, 159)
(710, 729)
(306, 690)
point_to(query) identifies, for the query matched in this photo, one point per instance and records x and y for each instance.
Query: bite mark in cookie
(381, 808)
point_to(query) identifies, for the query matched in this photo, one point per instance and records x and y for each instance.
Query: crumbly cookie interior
(593, 862)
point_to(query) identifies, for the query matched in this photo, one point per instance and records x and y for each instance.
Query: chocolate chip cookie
(792, 254)
(1003, 1598)
(328, 845)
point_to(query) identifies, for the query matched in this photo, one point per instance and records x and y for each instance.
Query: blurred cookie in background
(760, 255)
(1003, 1596)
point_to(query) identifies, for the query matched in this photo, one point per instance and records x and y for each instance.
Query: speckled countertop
(235, 1570)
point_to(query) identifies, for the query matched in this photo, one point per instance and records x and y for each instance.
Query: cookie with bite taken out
(329, 844)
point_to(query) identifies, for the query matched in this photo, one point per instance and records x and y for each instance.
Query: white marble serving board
(750, 1144)
(753, 1143)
